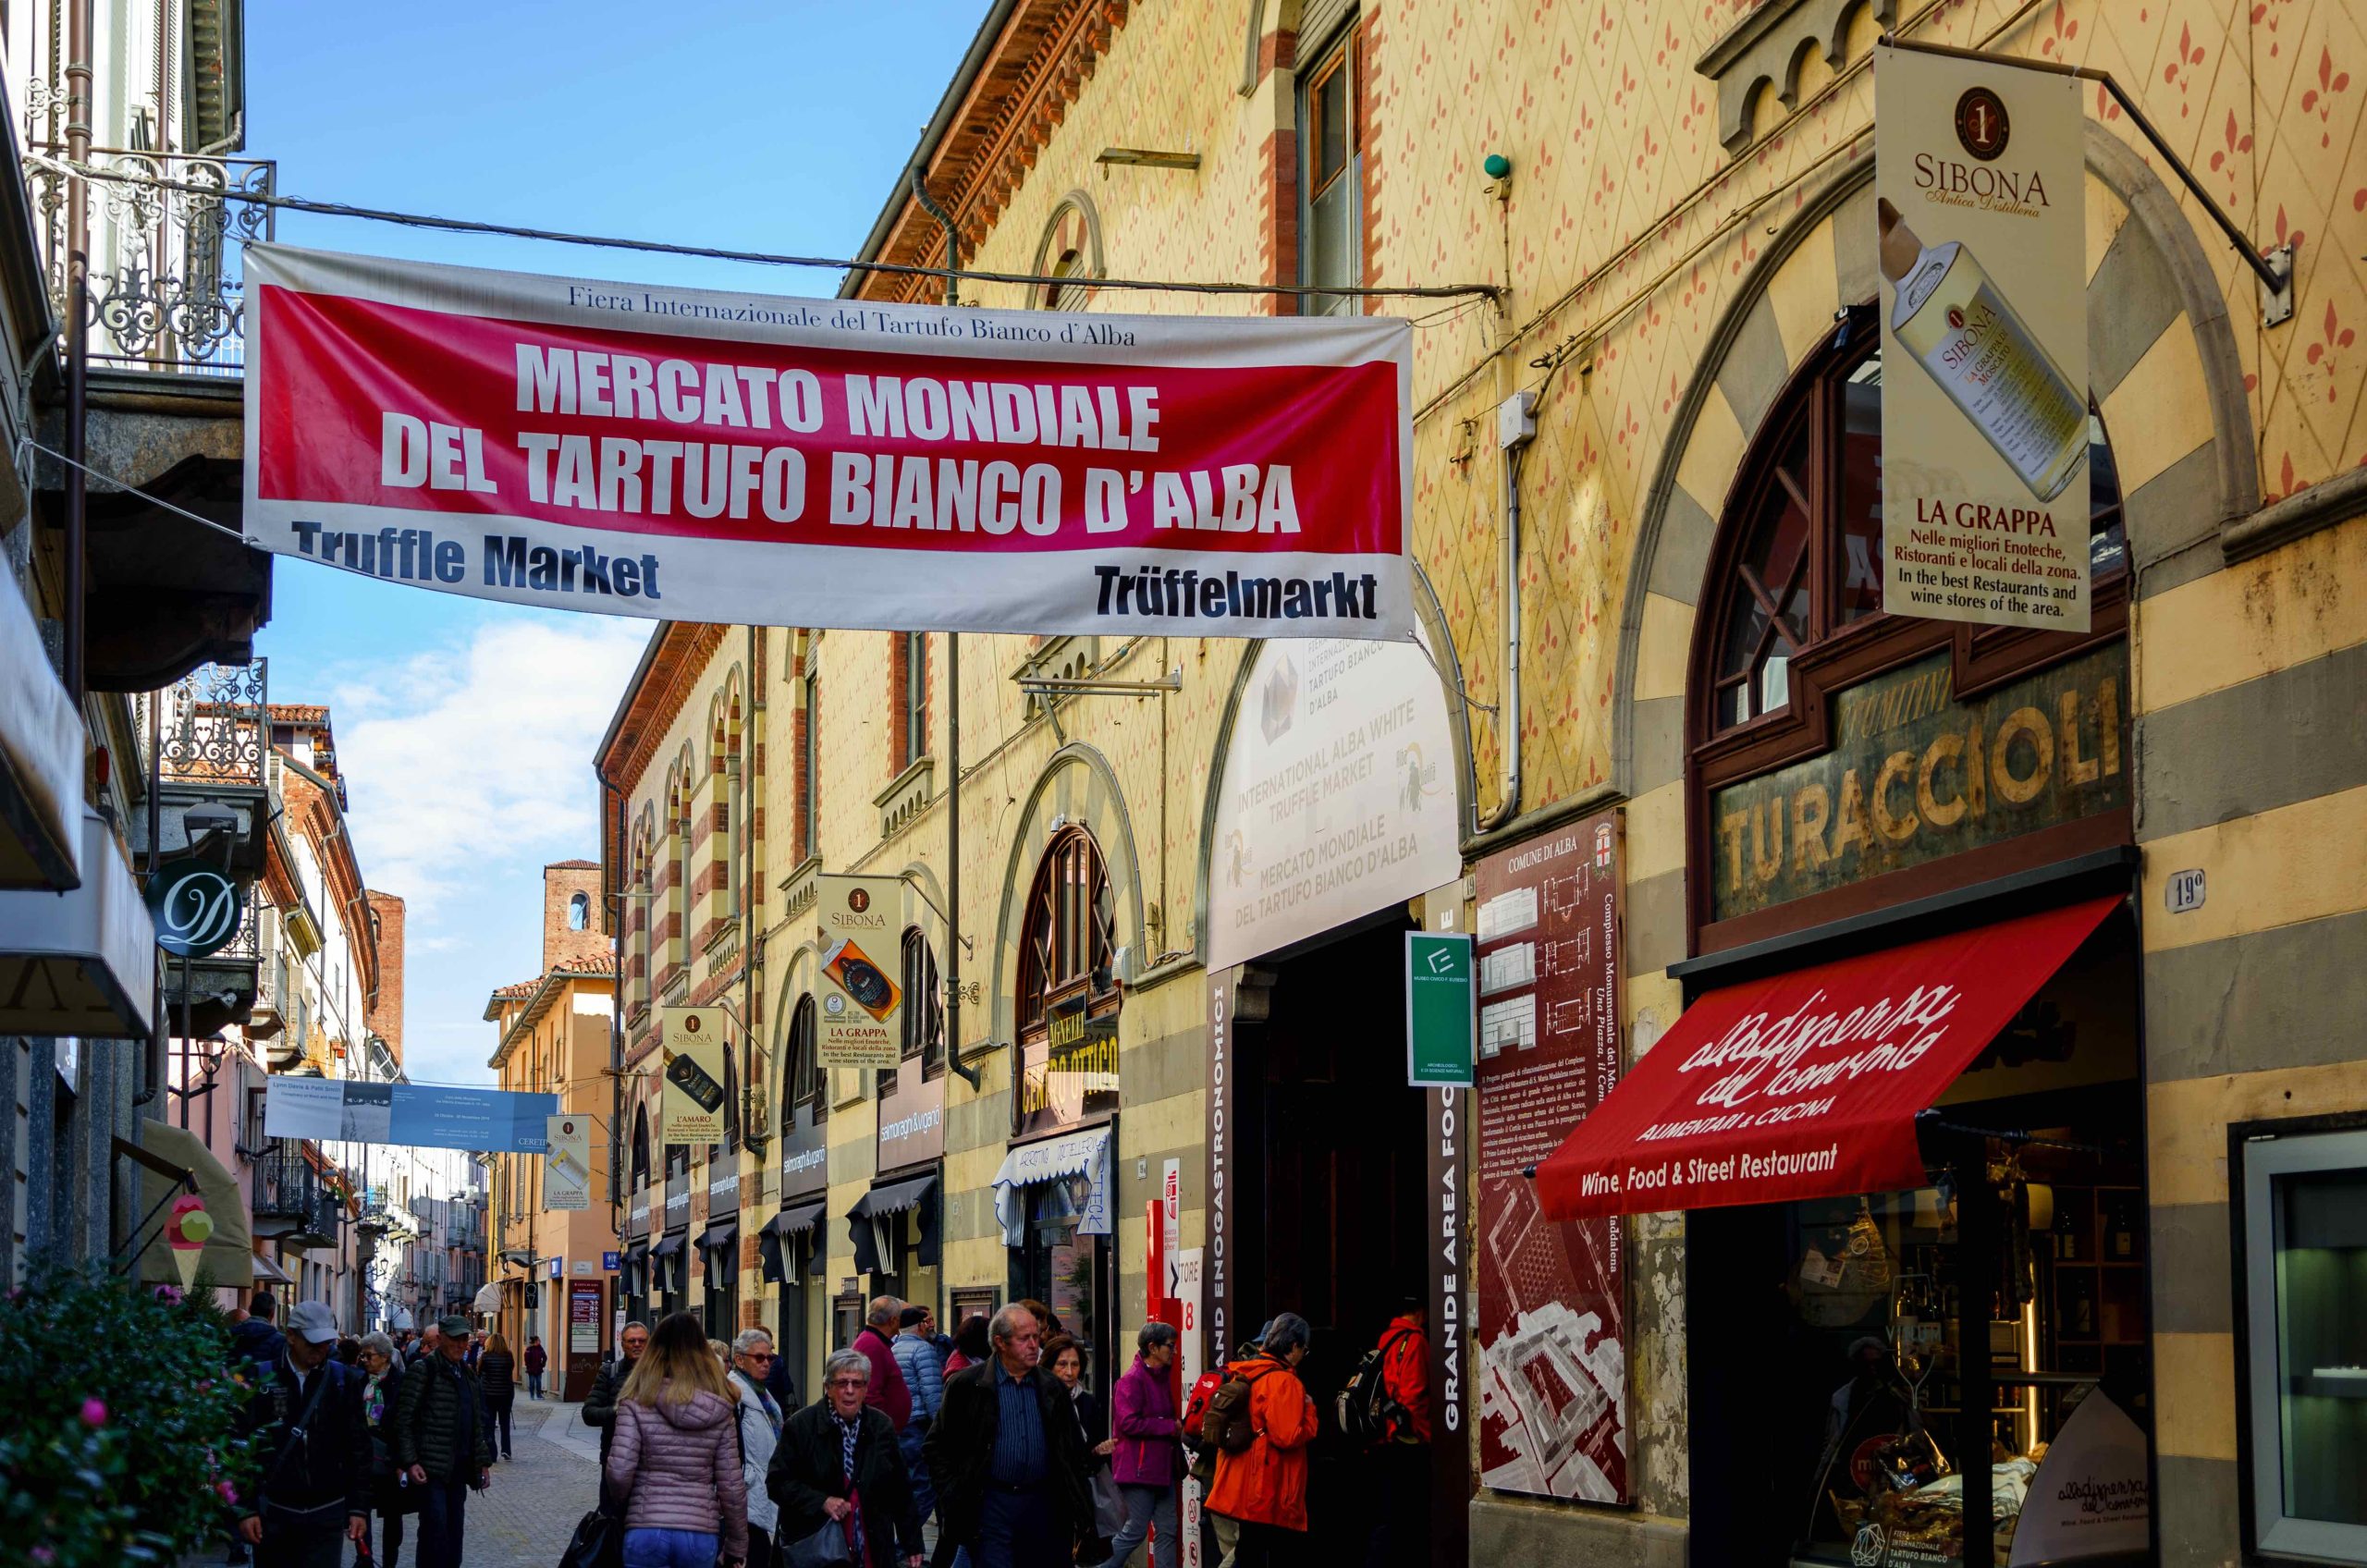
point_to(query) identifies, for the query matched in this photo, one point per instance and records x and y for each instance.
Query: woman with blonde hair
(675, 1461)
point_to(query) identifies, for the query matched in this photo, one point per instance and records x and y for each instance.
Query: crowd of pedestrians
(709, 1460)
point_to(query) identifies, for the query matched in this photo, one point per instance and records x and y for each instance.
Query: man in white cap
(314, 1493)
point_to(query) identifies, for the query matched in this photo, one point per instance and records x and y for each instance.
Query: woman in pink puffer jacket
(675, 1461)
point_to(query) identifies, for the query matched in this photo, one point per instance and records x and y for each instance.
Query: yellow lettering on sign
(2022, 790)
(1947, 747)
(1812, 809)
(1897, 767)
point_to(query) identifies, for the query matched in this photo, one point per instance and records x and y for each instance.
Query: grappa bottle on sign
(1984, 357)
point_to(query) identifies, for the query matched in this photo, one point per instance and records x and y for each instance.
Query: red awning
(1807, 1085)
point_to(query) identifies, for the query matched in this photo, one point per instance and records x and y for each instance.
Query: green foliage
(118, 1423)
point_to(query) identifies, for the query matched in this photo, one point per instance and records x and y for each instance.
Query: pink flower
(94, 1413)
(42, 1554)
(229, 1493)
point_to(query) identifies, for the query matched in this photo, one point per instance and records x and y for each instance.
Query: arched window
(730, 1104)
(579, 912)
(802, 1078)
(1070, 250)
(1796, 573)
(1068, 944)
(924, 1005)
(1068, 998)
(640, 1146)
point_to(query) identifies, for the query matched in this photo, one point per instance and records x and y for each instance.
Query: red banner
(1807, 1085)
(693, 456)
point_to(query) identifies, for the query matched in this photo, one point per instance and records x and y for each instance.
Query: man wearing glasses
(1008, 1458)
(760, 1417)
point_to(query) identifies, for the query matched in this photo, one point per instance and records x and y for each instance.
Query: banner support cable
(756, 258)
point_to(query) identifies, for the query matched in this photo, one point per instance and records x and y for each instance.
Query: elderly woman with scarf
(837, 1468)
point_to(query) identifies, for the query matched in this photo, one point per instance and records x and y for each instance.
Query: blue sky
(466, 728)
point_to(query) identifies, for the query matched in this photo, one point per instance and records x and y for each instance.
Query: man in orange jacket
(1264, 1486)
(1401, 1460)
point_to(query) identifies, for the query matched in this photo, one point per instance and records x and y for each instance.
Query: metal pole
(1976, 1274)
(953, 860)
(78, 266)
(2270, 276)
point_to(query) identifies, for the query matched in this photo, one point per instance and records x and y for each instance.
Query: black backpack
(1367, 1412)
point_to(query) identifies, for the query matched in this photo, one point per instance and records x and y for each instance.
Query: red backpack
(1196, 1405)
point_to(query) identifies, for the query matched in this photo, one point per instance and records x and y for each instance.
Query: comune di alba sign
(685, 455)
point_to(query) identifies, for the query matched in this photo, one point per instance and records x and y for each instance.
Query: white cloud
(478, 760)
(469, 769)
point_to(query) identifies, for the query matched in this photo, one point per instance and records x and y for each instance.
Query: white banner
(1982, 224)
(687, 455)
(1339, 796)
(566, 1162)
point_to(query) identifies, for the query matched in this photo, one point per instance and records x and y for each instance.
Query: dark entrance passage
(1333, 1224)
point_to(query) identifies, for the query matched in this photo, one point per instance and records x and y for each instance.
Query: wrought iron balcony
(213, 725)
(165, 291)
(292, 1203)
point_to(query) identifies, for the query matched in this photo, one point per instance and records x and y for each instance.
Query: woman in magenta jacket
(1145, 1445)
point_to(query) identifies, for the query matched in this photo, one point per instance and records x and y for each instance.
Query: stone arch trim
(1450, 667)
(1047, 243)
(2156, 318)
(1079, 788)
(802, 965)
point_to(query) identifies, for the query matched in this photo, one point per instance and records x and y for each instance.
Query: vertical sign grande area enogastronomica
(1552, 1358)
(1981, 225)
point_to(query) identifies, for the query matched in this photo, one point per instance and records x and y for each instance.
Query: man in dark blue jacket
(252, 1339)
(314, 1494)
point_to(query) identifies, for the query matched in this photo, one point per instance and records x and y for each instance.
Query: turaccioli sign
(694, 455)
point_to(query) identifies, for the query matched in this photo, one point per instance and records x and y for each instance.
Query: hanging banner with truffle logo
(691, 1048)
(860, 1004)
(1981, 224)
(689, 455)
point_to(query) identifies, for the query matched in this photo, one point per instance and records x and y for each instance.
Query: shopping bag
(1109, 1504)
(599, 1542)
(826, 1547)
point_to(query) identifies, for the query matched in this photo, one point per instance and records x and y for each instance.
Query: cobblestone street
(523, 1520)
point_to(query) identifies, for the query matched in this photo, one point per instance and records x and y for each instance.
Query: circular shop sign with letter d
(196, 909)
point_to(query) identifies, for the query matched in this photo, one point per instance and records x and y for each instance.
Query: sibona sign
(196, 909)
(1912, 777)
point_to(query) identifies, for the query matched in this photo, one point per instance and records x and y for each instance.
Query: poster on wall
(566, 1163)
(859, 1003)
(691, 1049)
(1980, 221)
(1338, 796)
(583, 1319)
(693, 454)
(1552, 1360)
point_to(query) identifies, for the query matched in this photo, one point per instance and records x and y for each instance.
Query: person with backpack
(498, 1381)
(1201, 1450)
(306, 1415)
(1145, 1437)
(1386, 1407)
(1262, 1422)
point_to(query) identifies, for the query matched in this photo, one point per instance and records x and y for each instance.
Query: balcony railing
(165, 291)
(292, 1203)
(213, 725)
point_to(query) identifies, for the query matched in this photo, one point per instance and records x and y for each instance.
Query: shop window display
(2302, 1203)
(1062, 1269)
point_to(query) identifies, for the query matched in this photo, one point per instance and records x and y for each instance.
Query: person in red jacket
(888, 1392)
(1264, 1486)
(1401, 1460)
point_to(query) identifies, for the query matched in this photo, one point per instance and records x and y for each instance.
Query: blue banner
(425, 1116)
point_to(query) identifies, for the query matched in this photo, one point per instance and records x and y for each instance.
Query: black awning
(636, 1252)
(671, 1246)
(894, 1197)
(522, 1256)
(885, 1201)
(719, 1236)
(796, 1218)
(794, 1231)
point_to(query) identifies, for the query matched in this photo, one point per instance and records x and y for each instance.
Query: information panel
(1553, 1357)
